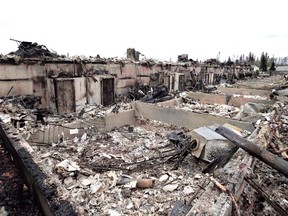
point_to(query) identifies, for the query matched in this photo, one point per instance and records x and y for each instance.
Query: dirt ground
(15, 198)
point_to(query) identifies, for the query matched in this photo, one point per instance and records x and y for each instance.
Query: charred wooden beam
(262, 154)
(266, 196)
(221, 161)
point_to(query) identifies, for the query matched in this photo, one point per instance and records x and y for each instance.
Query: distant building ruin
(67, 84)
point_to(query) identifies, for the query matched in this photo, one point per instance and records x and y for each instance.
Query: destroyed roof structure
(32, 49)
(141, 137)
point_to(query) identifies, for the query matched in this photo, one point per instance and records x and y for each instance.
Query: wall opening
(107, 88)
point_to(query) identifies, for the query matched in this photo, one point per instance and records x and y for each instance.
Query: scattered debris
(150, 94)
(30, 49)
(262, 154)
(151, 166)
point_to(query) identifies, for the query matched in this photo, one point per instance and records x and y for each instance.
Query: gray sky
(160, 29)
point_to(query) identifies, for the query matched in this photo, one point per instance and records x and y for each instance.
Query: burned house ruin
(111, 136)
(67, 84)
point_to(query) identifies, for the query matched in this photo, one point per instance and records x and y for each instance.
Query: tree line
(265, 62)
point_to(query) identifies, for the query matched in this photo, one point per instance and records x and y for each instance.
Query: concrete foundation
(244, 91)
(222, 99)
(183, 118)
(53, 134)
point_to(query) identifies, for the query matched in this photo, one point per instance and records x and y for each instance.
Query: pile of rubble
(29, 117)
(29, 49)
(192, 105)
(152, 167)
(129, 166)
(150, 94)
(270, 188)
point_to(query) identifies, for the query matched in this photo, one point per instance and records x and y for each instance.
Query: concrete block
(120, 119)
(210, 144)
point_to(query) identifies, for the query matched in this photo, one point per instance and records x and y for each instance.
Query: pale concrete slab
(184, 118)
(245, 91)
(223, 99)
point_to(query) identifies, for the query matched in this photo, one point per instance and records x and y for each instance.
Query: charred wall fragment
(34, 70)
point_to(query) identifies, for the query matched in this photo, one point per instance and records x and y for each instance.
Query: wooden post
(254, 150)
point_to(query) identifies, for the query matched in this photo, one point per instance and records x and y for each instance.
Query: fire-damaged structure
(28, 49)
(111, 136)
(67, 84)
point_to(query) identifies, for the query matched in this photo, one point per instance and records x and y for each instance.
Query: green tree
(251, 58)
(241, 59)
(229, 62)
(263, 62)
(272, 67)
